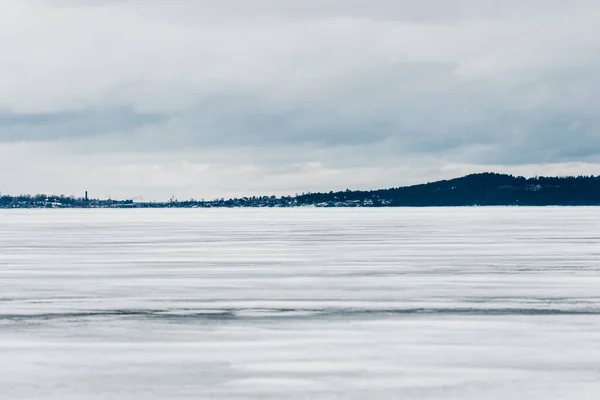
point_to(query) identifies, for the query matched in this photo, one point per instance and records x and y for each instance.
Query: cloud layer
(210, 98)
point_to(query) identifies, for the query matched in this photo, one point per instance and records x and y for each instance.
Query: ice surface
(453, 303)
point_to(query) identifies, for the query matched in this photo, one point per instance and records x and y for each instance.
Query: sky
(149, 99)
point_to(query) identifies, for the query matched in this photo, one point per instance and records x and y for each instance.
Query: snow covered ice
(453, 303)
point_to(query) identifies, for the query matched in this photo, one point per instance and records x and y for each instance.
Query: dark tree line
(57, 201)
(477, 189)
(486, 189)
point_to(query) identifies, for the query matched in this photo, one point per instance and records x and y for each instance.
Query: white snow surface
(409, 303)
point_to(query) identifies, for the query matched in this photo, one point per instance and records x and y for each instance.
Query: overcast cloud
(233, 97)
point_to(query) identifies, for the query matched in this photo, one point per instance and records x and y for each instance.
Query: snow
(453, 303)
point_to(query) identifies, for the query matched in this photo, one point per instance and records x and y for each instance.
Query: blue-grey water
(451, 303)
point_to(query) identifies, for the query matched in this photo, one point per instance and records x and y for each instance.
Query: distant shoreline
(476, 190)
(8, 209)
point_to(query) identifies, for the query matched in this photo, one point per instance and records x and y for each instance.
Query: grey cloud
(72, 124)
(480, 82)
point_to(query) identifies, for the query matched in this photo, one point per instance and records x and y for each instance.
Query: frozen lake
(452, 303)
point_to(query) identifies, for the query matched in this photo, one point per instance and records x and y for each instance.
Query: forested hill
(486, 189)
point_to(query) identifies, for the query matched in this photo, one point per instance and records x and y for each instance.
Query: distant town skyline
(484, 189)
(207, 99)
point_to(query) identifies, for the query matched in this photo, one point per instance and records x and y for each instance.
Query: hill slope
(486, 189)
(476, 189)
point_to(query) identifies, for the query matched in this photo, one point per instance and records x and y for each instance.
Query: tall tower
(86, 196)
